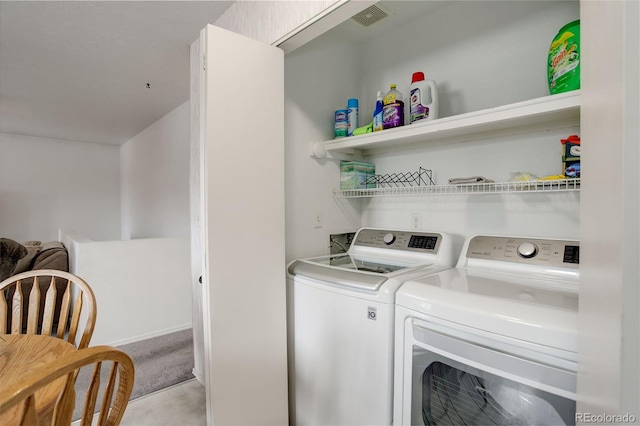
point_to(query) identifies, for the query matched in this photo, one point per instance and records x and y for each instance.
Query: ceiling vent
(371, 15)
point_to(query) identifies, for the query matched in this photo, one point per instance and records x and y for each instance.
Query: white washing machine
(492, 341)
(341, 315)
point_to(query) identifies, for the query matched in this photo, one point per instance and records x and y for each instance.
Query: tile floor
(180, 405)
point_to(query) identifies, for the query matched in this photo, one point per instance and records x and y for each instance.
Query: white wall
(155, 179)
(481, 54)
(495, 55)
(49, 183)
(141, 286)
(309, 117)
(106, 192)
(492, 56)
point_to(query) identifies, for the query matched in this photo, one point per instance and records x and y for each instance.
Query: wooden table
(20, 354)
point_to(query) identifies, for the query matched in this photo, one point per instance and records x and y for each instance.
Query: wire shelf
(560, 185)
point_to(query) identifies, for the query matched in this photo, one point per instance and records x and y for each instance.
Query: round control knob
(388, 238)
(527, 250)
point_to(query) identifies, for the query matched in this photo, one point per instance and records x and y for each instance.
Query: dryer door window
(457, 396)
(456, 381)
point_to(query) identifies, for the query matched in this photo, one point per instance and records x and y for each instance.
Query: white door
(240, 108)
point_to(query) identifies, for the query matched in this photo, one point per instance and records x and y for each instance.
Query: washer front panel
(424, 242)
(542, 252)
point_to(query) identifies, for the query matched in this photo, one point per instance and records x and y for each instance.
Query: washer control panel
(548, 252)
(399, 240)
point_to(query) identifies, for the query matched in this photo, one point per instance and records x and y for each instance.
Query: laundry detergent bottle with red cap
(423, 99)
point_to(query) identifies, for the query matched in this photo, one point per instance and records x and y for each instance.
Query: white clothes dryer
(492, 341)
(341, 315)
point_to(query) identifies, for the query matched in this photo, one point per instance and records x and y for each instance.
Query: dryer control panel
(398, 240)
(533, 251)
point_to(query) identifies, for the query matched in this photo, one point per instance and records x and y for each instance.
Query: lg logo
(372, 313)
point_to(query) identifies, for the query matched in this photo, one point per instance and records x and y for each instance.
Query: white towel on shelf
(467, 180)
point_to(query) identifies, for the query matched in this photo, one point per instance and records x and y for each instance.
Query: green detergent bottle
(564, 59)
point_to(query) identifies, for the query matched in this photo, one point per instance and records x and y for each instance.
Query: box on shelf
(571, 156)
(571, 169)
(571, 152)
(353, 174)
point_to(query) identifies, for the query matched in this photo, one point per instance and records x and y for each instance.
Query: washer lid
(352, 271)
(361, 263)
(531, 308)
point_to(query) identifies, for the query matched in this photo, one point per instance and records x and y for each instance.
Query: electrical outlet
(416, 221)
(317, 218)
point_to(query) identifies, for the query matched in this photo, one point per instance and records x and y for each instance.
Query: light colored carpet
(159, 362)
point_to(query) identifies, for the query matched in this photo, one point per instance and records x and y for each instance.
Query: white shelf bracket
(318, 150)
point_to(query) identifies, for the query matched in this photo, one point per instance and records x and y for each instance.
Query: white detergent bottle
(423, 99)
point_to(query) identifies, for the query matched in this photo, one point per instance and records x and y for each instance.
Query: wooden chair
(19, 399)
(50, 302)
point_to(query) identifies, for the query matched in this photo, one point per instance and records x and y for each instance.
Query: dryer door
(459, 378)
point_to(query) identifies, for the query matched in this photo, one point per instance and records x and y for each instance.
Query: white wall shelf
(533, 186)
(549, 112)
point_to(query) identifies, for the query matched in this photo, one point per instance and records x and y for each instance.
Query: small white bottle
(423, 99)
(377, 113)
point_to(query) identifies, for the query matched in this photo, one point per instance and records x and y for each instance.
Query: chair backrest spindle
(3, 314)
(16, 318)
(34, 306)
(65, 307)
(48, 315)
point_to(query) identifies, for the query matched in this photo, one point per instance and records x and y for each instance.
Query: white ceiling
(78, 70)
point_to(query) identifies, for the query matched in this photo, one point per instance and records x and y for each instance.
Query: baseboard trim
(150, 335)
(199, 375)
